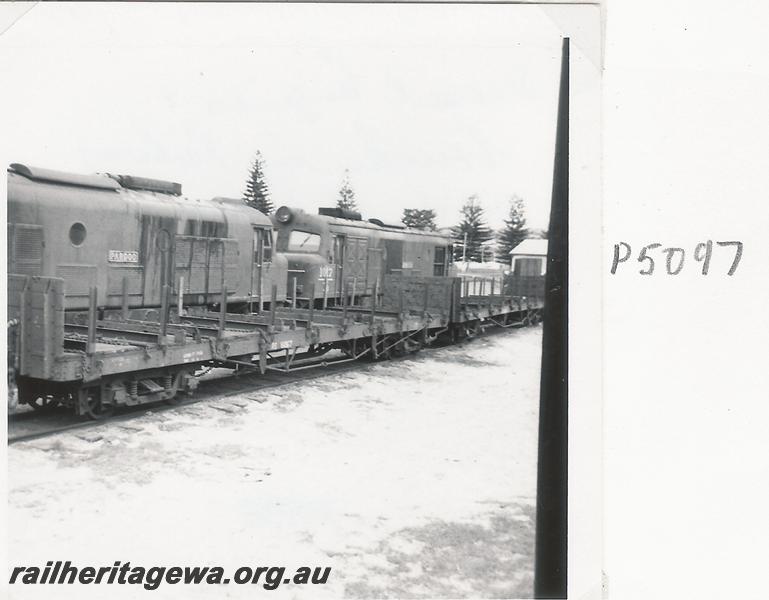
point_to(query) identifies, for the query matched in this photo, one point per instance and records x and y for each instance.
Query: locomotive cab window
(303, 241)
(77, 234)
(439, 261)
(262, 245)
(267, 245)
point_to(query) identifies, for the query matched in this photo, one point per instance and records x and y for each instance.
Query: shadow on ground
(454, 560)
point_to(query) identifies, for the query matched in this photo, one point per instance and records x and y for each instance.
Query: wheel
(472, 329)
(398, 350)
(94, 407)
(43, 403)
(175, 400)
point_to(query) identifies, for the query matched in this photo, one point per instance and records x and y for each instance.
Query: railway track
(34, 425)
(28, 426)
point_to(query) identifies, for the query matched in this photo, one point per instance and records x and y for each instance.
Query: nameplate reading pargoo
(123, 256)
(674, 258)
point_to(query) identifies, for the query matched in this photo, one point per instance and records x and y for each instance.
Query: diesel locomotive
(335, 255)
(128, 237)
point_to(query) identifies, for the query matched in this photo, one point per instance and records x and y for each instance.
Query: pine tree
(346, 198)
(474, 225)
(514, 231)
(257, 194)
(419, 218)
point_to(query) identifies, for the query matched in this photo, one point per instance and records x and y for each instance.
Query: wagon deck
(131, 357)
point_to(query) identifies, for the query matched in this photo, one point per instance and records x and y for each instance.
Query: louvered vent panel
(78, 279)
(200, 252)
(232, 268)
(28, 250)
(133, 275)
(183, 251)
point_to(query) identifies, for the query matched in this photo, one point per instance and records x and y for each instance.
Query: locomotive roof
(145, 190)
(99, 181)
(354, 224)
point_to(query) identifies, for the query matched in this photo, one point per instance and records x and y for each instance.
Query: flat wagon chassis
(96, 360)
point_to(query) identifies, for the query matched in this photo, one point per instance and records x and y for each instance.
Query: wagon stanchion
(374, 340)
(180, 298)
(311, 294)
(293, 292)
(354, 285)
(222, 314)
(46, 320)
(21, 337)
(273, 305)
(502, 295)
(91, 345)
(344, 303)
(325, 293)
(164, 293)
(223, 299)
(425, 314)
(124, 303)
(260, 294)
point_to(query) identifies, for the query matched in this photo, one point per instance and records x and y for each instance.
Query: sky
(425, 105)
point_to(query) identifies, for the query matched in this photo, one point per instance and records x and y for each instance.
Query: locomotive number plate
(326, 272)
(123, 256)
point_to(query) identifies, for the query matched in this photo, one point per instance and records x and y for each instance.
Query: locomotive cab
(343, 258)
(312, 254)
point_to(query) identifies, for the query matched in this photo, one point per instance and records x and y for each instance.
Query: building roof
(531, 246)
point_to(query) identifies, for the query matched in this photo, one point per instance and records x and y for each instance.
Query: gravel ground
(412, 479)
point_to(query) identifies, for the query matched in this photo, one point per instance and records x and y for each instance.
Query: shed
(529, 257)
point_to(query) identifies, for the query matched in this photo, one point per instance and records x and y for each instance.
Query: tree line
(473, 237)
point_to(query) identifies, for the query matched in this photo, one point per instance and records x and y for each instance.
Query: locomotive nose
(283, 214)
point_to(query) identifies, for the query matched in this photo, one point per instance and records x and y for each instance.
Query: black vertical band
(552, 466)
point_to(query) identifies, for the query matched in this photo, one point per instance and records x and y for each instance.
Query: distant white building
(529, 257)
